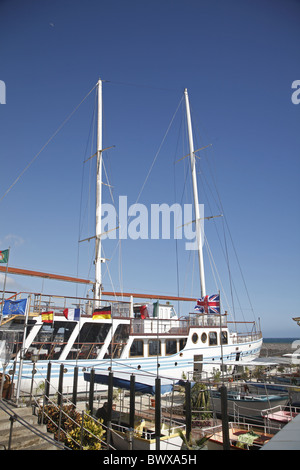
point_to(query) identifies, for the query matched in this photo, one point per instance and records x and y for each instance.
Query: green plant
(40, 388)
(69, 416)
(90, 438)
(200, 400)
(192, 444)
(67, 427)
(258, 372)
(245, 374)
(216, 375)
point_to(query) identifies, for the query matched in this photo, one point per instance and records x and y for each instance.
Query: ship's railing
(207, 320)
(181, 326)
(154, 326)
(124, 309)
(246, 338)
(38, 303)
(244, 332)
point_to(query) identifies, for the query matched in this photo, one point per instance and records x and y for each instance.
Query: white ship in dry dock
(143, 334)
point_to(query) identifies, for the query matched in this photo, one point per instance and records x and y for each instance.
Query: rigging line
(153, 162)
(226, 255)
(119, 244)
(92, 125)
(175, 198)
(240, 268)
(109, 275)
(219, 205)
(215, 272)
(158, 151)
(193, 271)
(232, 242)
(46, 144)
(109, 185)
(90, 138)
(120, 264)
(224, 250)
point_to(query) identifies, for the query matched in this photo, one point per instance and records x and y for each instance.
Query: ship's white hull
(184, 364)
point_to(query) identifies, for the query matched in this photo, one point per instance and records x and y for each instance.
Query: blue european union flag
(14, 307)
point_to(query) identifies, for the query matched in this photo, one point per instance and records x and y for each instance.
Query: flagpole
(22, 351)
(221, 338)
(4, 286)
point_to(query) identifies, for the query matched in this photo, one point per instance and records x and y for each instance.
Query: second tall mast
(195, 192)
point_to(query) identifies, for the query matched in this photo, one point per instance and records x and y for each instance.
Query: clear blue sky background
(238, 60)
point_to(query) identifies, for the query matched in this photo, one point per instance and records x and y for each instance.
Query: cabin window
(90, 341)
(195, 338)
(204, 337)
(16, 327)
(171, 346)
(224, 337)
(119, 340)
(137, 348)
(182, 343)
(154, 347)
(213, 340)
(51, 339)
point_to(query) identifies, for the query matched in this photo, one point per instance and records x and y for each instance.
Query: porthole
(203, 337)
(195, 338)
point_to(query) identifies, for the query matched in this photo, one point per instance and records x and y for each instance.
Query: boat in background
(243, 403)
(142, 436)
(242, 436)
(280, 415)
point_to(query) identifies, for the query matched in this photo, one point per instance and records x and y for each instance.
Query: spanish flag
(102, 313)
(47, 317)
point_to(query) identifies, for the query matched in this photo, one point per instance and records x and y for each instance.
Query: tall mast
(98, 258)
(195, 192)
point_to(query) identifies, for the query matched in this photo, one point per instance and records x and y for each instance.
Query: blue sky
(238, 60)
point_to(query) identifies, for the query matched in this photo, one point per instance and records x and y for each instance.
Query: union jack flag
(208, 304)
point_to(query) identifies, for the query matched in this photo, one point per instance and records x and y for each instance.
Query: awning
(143, 383)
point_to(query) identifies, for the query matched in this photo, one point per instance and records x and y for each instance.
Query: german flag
(102, 313)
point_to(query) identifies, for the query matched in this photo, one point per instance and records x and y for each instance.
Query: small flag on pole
(4, 254)
(144, 312)
(14, 307)
(72, 314)
(102, 313)
(47, 317)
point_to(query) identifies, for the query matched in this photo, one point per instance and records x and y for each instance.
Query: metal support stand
(157, 412)
(188, 410)
(75, 383)
(132, 401)
(109, 406)
(224, 413)
(91, 393)
(47, 384)
(60, 385)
